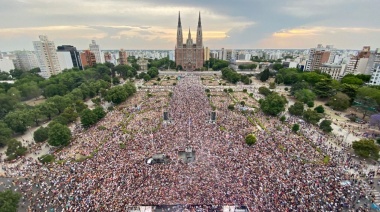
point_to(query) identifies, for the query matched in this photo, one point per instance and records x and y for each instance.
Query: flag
(189, 121)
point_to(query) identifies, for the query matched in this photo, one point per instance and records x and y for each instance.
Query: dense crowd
(281, 172)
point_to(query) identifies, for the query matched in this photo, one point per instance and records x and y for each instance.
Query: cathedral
(189, 55)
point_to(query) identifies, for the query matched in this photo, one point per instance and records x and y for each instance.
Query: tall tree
(59, 135)
(264, 76)
(339, 102)
(273, 104)
(311, 116)
(297, 109)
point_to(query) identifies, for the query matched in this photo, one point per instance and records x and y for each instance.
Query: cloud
(339, 36)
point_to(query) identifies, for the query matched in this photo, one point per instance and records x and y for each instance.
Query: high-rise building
(25, 60)
(317, 57)
(375, 70)
(47, 57)
(94, 48)
(88, 58)
(189, 55)
(207, 54)
(108, 57)
(65, 61)
(123, 57)
(74, 55)
(6, 65)
(358, 64)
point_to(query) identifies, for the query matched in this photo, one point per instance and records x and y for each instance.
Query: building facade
(25, 60)
(47, 57)
(335, 71)
(95, 49)
(6, 65)
(123, 57)
(189, 55)
(74, 55)
(88, 58)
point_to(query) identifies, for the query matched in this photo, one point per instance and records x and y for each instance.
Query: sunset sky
(151, 24)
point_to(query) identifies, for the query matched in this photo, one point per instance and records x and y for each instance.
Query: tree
(60, 102)
(296, 109)
(231, 107)
(99, 112)
(15, 149)
(5, 134)
(277, 66)
(319, 109)
(14, 93)
(282, 119)
(366, 105)
(70, 114)
(366, 148)
(299, 86)
(339, 102)
(54, 89)
(273, 104)
(16, 73)
(264, 91)
(349, 90)
(272, 85)
(41, 134)
(352, 80)
(369, 92)
(9, 201)
(295, 127)
(18, 120)
(7, 104)
(153, 72)
(324, 89)
(116, 95)
(325, 126)
(250, 139)
(311, 116)
(310, 104)
(146, 77)
(304, 95)
(88, 118)
(59, 135)
(46, 158)
(264, 76)
(47, 109)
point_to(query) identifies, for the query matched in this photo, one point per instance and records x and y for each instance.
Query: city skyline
(258, 24)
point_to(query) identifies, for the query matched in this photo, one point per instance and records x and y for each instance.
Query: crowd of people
(281, 172)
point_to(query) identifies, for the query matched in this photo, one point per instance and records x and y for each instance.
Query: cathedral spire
(179, 19)
(189, 36)
(199, 20)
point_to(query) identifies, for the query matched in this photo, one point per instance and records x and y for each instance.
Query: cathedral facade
(189, 55)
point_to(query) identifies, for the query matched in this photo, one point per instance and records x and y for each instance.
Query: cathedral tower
(189, 55)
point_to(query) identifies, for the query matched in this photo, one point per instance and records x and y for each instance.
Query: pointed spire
(199, 19)
(189, 36)
(179, 19)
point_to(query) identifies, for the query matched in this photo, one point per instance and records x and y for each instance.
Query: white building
(25, 60)
(94, 48)
(47, 57)
(335, 71)
(6, 65)
(375, 77)
(65, 60)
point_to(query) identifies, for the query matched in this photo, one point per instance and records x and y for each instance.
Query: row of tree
(233, 77)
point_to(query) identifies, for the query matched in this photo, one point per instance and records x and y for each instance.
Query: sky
(152, 24)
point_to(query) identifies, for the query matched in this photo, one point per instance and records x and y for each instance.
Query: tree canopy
(273, 104)
(366, 148)
(59, 135)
